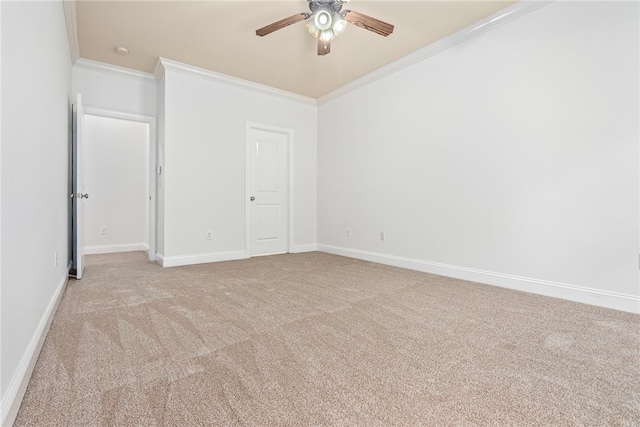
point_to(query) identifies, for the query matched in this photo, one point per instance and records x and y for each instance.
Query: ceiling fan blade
(368, 23)
(324, 47)
(278, 25)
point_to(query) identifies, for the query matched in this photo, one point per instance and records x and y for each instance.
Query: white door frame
(151, 121)
(289, 196)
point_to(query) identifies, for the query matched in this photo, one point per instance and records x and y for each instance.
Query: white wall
(204, 165)
(114, 91)
(116, 163)
(36, 85)
(511, 159)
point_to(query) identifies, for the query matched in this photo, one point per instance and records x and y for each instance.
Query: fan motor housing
(334, 5)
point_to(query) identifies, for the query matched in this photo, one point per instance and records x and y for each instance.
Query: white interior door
(78, 194)
(267, 185)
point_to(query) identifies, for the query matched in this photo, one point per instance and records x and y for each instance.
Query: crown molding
(158, 70)
(69, 7)
(511, 13)
(168, 64)
(491, 22)
(115, 70)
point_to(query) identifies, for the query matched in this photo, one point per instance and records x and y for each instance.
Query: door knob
(252, 198)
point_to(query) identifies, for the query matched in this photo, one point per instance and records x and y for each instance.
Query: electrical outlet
(382, 236)
(104, 230)
(348, 232)
(209, 235)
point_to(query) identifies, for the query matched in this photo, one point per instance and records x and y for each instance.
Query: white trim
(290, 192)
(110, 249)
(15, 392)
(69, 8)
(247, 194)
(3, 403)
(115, 70)
(158, 71)
(202, 73)
(159, 258)
(508, 14)
(289, 197)
(112, 114)
(614, 300)
(312, 247)
(153, 161)
(175, 261)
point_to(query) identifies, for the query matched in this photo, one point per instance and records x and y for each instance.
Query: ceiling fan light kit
(322, 19)
(327, 21)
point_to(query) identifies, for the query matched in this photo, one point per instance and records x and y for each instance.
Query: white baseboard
(110, 249)
(305, 248)
(175, 261)
(159, 258)
(614, 300)
(15, 392)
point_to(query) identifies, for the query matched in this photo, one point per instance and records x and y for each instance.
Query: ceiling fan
(328, 21)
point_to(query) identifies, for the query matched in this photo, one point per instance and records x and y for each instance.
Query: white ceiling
(220, 36)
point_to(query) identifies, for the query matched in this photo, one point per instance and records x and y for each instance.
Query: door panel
(78, 195)
(267, 218)
(267, 175)
(267, 157)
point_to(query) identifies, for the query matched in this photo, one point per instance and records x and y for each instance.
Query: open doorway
(120, 177)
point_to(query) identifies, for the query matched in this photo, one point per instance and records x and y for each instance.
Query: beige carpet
(320, 340)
